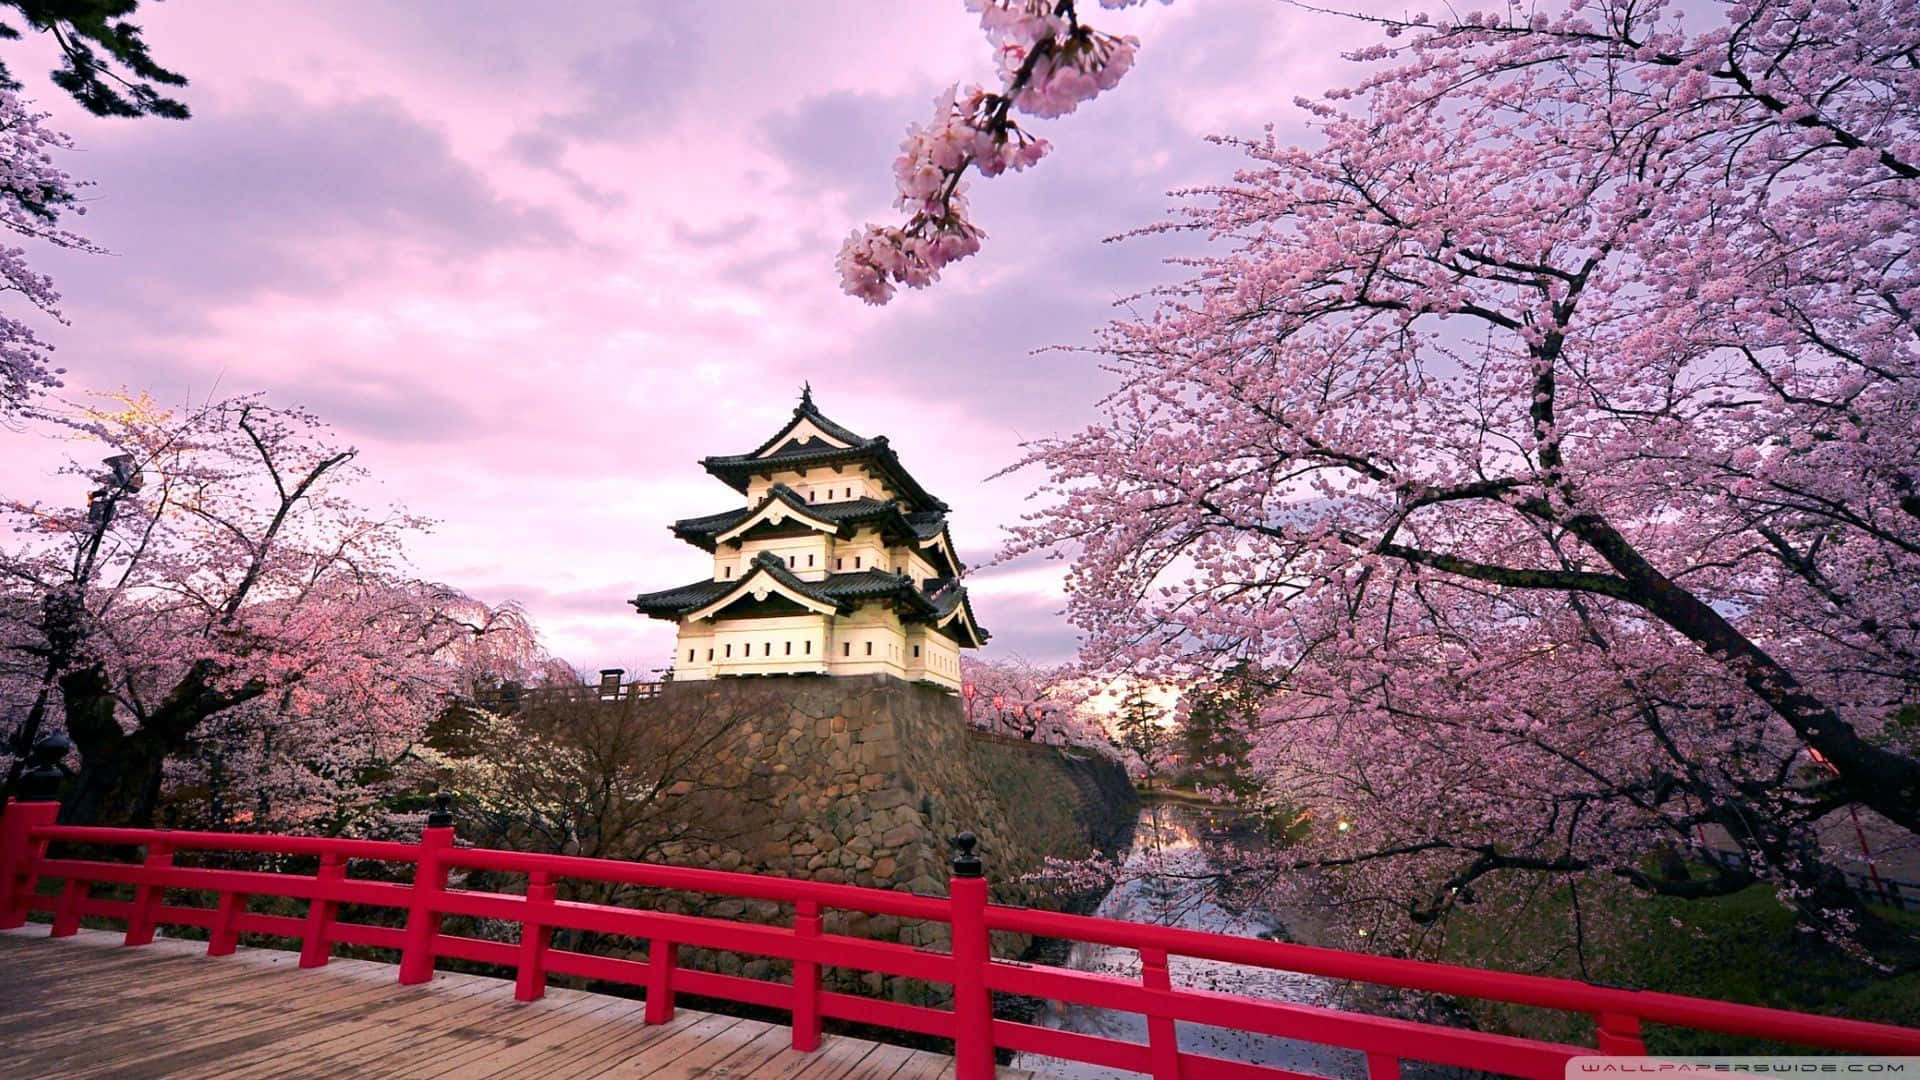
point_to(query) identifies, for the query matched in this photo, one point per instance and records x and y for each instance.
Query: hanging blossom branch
(1050, 62)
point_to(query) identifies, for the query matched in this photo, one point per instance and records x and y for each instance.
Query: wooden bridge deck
(85, 1006)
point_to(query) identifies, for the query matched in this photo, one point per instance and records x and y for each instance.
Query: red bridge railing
(27, 831)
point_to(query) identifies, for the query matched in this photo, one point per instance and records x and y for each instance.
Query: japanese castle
(839, 564)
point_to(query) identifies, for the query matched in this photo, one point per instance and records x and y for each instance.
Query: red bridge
(31, 865)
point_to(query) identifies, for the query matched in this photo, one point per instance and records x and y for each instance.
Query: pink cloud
(537, 267)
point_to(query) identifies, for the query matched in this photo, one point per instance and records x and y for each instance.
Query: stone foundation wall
(861, 780)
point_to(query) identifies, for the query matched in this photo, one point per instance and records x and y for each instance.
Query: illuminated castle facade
(838, 564)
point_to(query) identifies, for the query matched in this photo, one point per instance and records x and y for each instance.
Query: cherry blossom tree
(95, 43)
(224, 608)
(34, 194)
(1037, 702)
(1049, 63)
(1546, 429)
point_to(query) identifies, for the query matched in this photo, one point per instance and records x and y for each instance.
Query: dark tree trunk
(119, 778)
(120, 786)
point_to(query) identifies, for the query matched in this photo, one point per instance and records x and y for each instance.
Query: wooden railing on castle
(30, 857)
(610, 688)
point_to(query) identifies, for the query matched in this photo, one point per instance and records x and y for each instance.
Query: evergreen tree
(1216, 729)
(94, 36)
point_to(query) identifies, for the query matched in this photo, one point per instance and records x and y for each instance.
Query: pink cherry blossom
(1050, 63)
(34, 193)
(1544, 433)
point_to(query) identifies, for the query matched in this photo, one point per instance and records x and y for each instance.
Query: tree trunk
(118, 786)
(119, 778)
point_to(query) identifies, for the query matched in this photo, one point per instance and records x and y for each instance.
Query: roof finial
(806, 396)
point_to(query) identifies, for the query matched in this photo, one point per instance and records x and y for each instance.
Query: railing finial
(41, 780)
(442, 815)
(965, 862)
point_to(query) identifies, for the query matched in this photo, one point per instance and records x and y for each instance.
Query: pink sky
(535, 261)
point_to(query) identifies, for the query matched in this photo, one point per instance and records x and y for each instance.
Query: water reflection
(1168, 883)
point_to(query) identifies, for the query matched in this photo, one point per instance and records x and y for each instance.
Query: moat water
(1166, 882)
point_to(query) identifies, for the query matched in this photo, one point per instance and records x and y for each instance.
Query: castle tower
(839, 564)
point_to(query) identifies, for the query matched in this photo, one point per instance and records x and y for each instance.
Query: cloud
(539, 149)
(1027, 624)
(284, 195)
(632, 89)
(545, 151)
(843, 143)
(722, 235)
(384, 403)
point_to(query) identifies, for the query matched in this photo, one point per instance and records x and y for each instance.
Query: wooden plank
(836, 1057)
(619, 1036)
(924, 1065)
(553, 1034)
(749, 1059)
(196, 1010)
(232, 1021)
(880, 1064)
(700, 1059)
(351, 1032)
(87, 1006)
(477, 1027)
(680, 1039)
(533, 1029)
(225, 1032)
(175, 981)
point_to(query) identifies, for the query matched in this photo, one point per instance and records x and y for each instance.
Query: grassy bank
(1741, 948)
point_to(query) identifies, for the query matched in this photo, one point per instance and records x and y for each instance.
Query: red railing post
(1163, 1039)
(972, 952)
(147, 895)
(806, 977)
(226, 924)
(530, 982)
(662, 957)
(429, 880)
(20, 856)
(66, 917)
(1383, 1067)
(1618, 1033)
(316, 943)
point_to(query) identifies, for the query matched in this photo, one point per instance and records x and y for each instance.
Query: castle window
(916, 652)
(813, 495)
(689, 656)
(789, 648)
(856, 562)
(709, 656)
(729, 571)
(789, 562)
(809, 648)
(767, 650)
(869, 648)
(809, 560)
(729, 651)
(846, 648)
(839, 563)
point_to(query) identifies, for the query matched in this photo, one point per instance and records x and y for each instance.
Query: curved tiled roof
(737, 470)
(947, 595)
(701, 531)
(672, 603)
(842, 591)
(927, 524)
